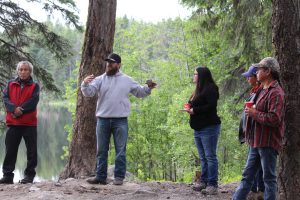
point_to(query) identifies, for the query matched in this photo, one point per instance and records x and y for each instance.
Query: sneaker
(251, 195)
(210, 190)
(118, 181)
(260, 195)
(96, 180)
(7, 180)
(199, 186)
(26, 179)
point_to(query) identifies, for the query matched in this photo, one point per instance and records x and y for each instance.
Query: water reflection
(51, 138)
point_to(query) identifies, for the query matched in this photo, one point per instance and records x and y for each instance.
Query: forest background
(226, 39)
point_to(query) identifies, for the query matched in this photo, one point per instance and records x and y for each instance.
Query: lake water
(51, 138)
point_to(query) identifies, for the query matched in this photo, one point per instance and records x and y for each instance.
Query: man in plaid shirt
(264, 131)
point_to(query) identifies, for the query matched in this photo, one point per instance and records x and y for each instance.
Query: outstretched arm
(139, 91)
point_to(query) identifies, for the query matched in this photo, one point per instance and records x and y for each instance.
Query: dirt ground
(76, 189)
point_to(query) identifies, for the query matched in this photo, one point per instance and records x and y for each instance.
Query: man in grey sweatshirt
(113, 107)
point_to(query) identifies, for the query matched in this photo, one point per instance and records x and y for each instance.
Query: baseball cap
(113, 57)
(251, 71)
(269, 62)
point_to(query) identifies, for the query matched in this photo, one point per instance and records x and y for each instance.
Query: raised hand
(88, 79)
(151, 84)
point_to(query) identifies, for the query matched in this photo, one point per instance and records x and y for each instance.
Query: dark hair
(275, 75)
(205, 82)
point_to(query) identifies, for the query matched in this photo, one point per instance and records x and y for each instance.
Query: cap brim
(110, 60)
(247, 74)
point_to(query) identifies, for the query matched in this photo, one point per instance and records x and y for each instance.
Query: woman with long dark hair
(206, 124)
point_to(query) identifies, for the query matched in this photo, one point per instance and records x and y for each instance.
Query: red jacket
(24, 94)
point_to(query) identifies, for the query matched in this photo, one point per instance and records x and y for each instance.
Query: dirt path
(78, 189)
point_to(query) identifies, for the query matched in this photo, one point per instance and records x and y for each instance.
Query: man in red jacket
(21, 97)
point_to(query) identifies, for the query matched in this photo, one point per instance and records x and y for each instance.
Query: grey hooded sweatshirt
(113, 94)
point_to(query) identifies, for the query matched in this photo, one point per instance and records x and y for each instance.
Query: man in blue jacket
(113, 107)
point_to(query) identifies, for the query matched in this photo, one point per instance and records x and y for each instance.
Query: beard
(111, 72)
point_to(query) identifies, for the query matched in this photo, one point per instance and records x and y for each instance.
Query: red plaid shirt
(266, 128)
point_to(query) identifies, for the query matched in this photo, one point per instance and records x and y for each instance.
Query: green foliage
(232, 155)
(59, 69)
(71, 88)
(244, 27)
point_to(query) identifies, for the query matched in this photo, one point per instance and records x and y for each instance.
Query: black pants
(13, 138)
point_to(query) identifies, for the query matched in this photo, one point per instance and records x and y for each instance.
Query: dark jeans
(266, 158)
(13, 138)
(206, 141)
(118, 127)
(258, 184)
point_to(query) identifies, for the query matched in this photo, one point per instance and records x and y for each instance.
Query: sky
(145, 10)
(142, 10)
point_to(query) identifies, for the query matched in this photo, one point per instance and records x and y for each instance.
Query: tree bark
(286, 39)
(98, 43)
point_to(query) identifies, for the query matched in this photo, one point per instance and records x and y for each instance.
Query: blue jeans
(119, 128)
(258, 184)
(206, 141)
(266, 158)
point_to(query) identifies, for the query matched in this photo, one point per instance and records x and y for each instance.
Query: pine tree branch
(20, 31)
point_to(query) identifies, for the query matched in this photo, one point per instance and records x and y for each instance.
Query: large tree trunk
(98, 44)
(286, 38)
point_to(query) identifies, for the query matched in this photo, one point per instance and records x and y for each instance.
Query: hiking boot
(210, 190)
(199, 186)
(118, 181)
(7, 180)
(96, 180)
(260, 195)
(252, 195)
(27, 179)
